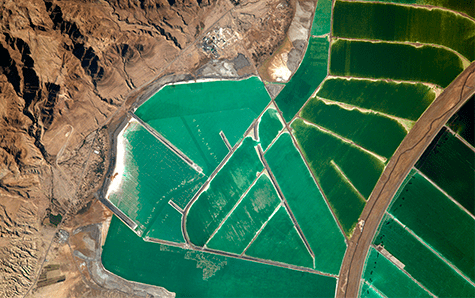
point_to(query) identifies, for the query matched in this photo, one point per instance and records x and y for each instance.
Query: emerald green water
(191, 116)
(279, 241)
(311, 72)
(421, 263)
(390, 22)
(269, 127)
(248, 217)
(368, 292)
(344, 199)
(440, 222)
(307, 204)
(322, 19)
(224, 191)
(153, 175)
(402, 100)
(466, 7)
(451, 165)
(463, 121)
(374, 132)
(199, 274)
(167, 226)
(361, 168)
(394, 61)
(389, 279)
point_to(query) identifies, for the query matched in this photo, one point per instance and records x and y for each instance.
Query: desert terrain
(69, 72)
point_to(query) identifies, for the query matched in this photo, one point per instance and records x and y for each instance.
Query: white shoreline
(119, 168)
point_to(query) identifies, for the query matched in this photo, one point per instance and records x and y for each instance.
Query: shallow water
(279, 241)
(240, 227)
(223, 193)
(191, 273)
(307, 204)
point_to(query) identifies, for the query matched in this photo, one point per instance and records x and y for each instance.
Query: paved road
(410, 150)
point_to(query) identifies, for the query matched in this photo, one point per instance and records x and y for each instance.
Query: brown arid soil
(405, 157)
(69, 72)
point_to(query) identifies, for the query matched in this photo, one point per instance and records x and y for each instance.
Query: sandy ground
(410, 150)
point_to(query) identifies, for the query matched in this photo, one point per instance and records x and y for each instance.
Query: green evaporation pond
(311, 72)
(388, 22)
(404, 100)
(153, 175)
(252, 212)
(224, 191)
(365, 129)
(437, 220)
(389, 279)
(307, 204)
(466, 7)
(322, 19)
(191, 273)
(192, 115)
(198, 135)
(368, 292)
(279, 241)
(463, 121)
(325, 154)
(167, 226)
(421, 263)
(394, 61)
(450, 164)
(269, 127)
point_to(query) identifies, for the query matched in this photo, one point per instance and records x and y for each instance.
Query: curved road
(411, 148)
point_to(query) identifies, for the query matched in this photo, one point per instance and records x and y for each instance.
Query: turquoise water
(191, 273)
(421, 263)
(322, 19)
(279, 241)
(269, 127)
(240, 227)
(389, 279)
(389, 22)
(153, 175)
(394, 61)
(198, 135)
(192, 115)
(402, 100)
(167, 226)
(224, 191)
(440, 222)
(307, 204)
(311, 72)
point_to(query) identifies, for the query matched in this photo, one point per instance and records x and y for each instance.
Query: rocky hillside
(66, 68)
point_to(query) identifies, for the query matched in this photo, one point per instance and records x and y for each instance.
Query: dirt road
(411, 148)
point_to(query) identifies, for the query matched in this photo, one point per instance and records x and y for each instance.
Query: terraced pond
(245, 196)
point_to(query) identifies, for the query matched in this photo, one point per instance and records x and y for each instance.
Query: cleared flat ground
(411, 148)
